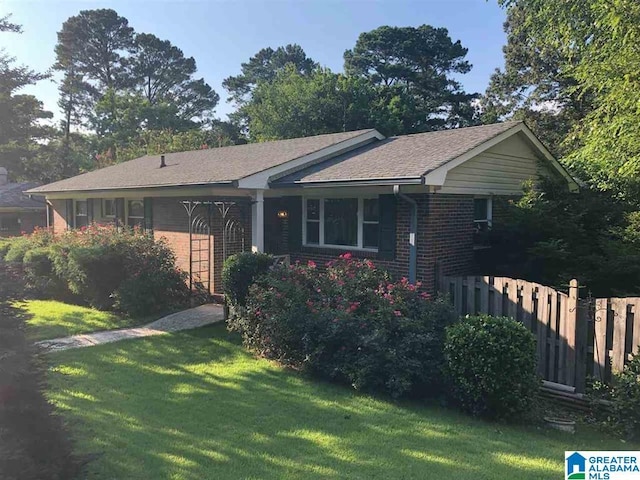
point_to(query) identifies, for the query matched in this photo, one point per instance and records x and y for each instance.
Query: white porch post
(257, 222)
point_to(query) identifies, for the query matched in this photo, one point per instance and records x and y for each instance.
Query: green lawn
(48, 319)
(195, 405)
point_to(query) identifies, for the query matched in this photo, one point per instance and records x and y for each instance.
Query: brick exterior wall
(444, 240)
(59, 216)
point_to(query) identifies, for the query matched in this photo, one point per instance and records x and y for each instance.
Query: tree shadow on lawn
(196, 405)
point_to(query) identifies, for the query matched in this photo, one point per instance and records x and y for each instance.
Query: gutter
(413, 230)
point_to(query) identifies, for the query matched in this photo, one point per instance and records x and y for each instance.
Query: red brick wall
(445, 238)
(59, 211)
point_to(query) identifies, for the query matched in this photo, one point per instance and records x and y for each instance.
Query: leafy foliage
(551, 235)
(624, 396)
(491, 364)
(240, 271)
(348, 323)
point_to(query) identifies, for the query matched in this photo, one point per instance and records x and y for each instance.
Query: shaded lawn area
(195, 405)
(48, 319)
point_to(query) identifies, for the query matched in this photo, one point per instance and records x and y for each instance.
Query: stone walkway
(184, 320)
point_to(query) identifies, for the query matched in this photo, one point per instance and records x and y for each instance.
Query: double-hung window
(482, 218)
(81, 213)
(109, 207)
(341, 222)
(135, 213)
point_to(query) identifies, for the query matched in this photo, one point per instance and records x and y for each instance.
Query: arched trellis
(199, 244)
(200, 229)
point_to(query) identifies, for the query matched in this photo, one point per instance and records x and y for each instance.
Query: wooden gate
(575, 338)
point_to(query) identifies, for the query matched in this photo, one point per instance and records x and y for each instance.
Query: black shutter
(120, 220)
(148, 215)
(294, 206)
(387, 227)
(69, 214)
(90, 216)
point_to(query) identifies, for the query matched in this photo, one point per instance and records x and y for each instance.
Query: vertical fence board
(512, 305)
(457, 296)
(600, 339)
(484, 295)
(471, 295)
(553, 317)
(562, 335)
(619, 307)
(636, 327)
(543, 312)
(527, 304)
(497, 297)
(572, 326)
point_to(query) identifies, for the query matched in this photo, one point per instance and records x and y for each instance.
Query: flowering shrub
(239, 272)
(109, 268)
(348, 322)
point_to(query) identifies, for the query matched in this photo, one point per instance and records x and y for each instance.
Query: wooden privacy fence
(575, 338)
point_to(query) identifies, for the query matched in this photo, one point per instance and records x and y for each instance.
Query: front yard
(196, 405)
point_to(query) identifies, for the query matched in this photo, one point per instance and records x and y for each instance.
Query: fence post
(571, 329)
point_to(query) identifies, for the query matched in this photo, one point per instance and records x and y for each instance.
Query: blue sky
(220, 35)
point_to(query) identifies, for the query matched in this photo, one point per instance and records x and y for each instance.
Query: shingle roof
(210, 166)
(406, 156)
(12, 196)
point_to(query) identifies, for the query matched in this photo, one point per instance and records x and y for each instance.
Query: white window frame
(75, 211)
(489, 220)
(361, 222)
(126, 210)
(102, 204)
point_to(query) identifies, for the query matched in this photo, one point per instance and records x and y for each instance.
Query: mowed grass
(195, 405)
(47, 319)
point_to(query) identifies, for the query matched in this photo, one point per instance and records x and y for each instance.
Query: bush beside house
(101, 266)
(491, 366)
(348, 322)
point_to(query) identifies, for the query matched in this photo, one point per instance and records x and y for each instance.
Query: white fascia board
(261, 180)
(151, 192)
(439, 175)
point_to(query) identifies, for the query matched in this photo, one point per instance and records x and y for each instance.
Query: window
(482, 210)
(81, 215)
(135, 213)
(341, 222)
(108, 208)
(9, 225)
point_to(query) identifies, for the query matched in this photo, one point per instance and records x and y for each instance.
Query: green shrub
(349, 323)
(623, 393)
(5, 245)
(491, 365)
(18, 246)
(40, 276)
(239, 272)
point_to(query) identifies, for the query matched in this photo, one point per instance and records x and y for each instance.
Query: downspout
(413, 231)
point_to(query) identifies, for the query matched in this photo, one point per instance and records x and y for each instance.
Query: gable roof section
(215, 166)
(12, 197)
(422, 158)
(407, 157)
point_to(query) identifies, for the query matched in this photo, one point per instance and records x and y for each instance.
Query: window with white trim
(81, 213)
(135, 213)
(482, 218)
(341, 222)
(109, 208)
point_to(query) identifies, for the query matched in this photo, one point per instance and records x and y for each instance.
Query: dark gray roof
(406, 156)
(210, 166)
(12, 196)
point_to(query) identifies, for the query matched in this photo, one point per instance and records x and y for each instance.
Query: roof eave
(351, 182)
(229, 183)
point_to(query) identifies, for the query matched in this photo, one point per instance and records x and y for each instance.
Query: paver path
(184, 320)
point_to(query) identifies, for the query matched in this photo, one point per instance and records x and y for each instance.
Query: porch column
(257, 222)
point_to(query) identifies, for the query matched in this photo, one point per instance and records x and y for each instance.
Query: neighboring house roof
(13, 198)
(200, 167)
